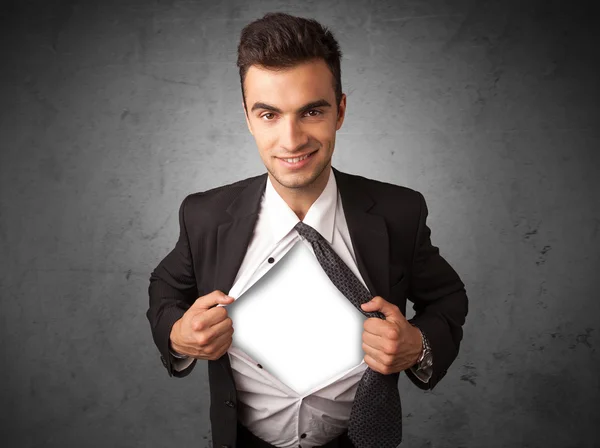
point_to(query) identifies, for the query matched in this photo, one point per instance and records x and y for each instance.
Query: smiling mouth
(297, 159)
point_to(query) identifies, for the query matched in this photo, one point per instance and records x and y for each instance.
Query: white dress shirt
(266, 406)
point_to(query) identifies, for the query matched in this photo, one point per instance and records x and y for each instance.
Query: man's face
(285, 124)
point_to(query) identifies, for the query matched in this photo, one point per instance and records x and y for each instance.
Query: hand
(204, 331)
(390, 345)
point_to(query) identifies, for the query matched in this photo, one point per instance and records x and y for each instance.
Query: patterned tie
(376, 414)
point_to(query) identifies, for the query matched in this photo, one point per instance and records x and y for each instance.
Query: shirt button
(259, 366)
(271, 260)
(231, 404)
(303, 436)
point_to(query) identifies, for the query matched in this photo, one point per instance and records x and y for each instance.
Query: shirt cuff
(177, 355)
(181, 364)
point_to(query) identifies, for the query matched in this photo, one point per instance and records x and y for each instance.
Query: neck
(301, 199)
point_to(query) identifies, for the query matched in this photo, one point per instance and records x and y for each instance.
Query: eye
(318, 113)
(268, 113)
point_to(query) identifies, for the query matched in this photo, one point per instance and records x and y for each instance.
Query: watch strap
(426, 348)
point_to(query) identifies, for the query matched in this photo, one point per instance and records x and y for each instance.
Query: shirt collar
(320, 215)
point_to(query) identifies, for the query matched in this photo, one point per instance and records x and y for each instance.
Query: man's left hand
(391, 345)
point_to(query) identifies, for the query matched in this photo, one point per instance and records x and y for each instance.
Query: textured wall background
(113, 111)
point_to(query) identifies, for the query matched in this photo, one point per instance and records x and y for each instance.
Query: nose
(292, 137)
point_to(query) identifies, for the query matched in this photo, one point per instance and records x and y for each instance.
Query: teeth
(297, 159)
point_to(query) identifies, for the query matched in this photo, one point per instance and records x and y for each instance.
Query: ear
(246, 116)
(341, 112)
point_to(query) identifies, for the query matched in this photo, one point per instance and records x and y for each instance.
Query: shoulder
(388, 196)
(220, 196)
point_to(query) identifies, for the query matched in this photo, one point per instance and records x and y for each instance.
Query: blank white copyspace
(297, 324)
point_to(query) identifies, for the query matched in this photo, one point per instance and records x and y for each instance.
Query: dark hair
(279, 41)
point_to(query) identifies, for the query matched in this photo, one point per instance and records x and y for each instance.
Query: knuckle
(388, 349)
(198, 325)
(202, 339)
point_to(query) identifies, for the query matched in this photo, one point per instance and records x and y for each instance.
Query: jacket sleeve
(439, 300)
(172, 291)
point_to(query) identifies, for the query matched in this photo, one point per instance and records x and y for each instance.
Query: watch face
(427, 360)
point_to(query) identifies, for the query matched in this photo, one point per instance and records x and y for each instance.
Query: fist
(205, 331)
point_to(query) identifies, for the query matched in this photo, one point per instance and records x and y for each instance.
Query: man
(293, 103)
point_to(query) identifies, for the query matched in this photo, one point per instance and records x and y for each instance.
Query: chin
(294, 181)
(299, 180)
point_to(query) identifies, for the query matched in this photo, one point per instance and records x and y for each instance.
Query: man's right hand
(204, 331)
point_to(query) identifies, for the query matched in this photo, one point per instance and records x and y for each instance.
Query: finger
(223, 327)
(372, 340)
(210, 300)
(370, 351)
(204, 346)
(375, 365)
(219, 346)
(377, 327)
(227, 341)
(208, 318)
(208, 336)
(378, 303)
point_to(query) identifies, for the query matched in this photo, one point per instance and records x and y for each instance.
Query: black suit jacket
(394, 253)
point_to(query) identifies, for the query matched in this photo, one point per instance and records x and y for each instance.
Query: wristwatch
(425, 361)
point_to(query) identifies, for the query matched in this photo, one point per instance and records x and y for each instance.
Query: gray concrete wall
(112, 112)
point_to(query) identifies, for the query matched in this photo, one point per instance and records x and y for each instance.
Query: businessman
(293, 103)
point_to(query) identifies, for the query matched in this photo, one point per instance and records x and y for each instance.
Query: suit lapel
(233, 237)
(368, 234)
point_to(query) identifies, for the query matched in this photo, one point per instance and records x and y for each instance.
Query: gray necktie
(376, 414)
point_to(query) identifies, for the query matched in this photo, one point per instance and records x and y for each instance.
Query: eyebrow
(308, 106)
